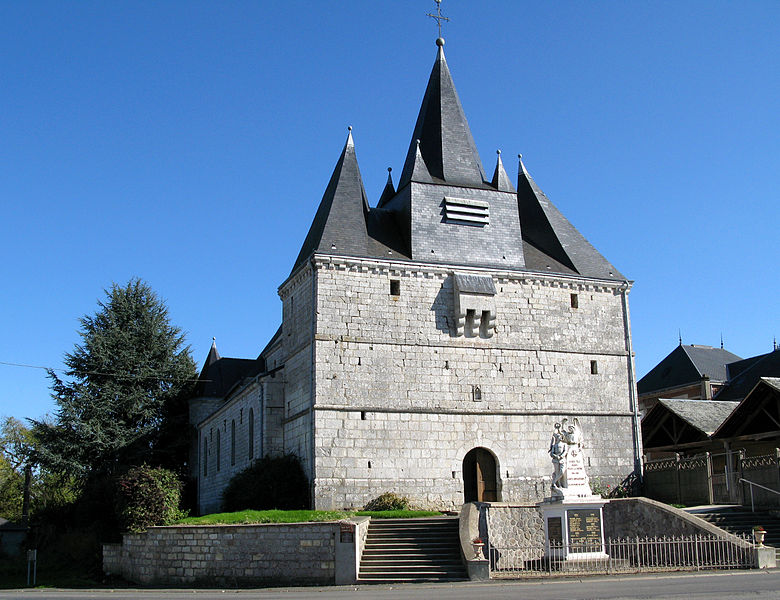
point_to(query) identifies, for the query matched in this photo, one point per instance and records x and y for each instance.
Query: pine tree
(124, 399)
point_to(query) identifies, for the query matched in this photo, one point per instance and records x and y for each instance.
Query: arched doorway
(479, 476)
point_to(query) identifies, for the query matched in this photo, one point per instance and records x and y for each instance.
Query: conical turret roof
(339, 227)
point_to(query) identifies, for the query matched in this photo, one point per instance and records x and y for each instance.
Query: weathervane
(438, 16)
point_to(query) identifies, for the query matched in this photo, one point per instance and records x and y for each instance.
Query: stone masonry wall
(300, 553)
(297, 333)
(233, 455)
(400, 398)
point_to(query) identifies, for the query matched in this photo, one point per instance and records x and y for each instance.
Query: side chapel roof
(220, 374)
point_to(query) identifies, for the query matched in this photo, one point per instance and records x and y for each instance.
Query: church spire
(446, 145)
(339, 227)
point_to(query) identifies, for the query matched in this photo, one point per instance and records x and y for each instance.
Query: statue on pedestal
(566, 446)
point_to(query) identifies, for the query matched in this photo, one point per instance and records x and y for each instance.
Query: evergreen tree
(124, 399)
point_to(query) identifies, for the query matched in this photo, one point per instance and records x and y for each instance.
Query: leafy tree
(16, 449)
(123, 401)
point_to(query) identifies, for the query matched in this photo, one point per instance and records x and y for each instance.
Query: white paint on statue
(566, 449)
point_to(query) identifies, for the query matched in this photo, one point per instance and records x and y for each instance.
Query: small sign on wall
(347, 533)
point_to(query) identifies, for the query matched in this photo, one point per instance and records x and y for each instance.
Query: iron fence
(624, 555)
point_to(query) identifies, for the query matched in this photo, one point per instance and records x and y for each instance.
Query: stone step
(412, 550)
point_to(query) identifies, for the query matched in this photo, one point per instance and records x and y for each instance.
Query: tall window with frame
(205, 456)
(219, 450)
(233, 443)
(251, 433)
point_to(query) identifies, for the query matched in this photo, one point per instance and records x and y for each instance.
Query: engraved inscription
(555, 530)
(584, 530)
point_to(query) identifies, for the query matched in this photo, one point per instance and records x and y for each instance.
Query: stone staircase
(740, 521)
(412, 550)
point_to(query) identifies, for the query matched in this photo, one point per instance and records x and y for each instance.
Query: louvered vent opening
(466, 212)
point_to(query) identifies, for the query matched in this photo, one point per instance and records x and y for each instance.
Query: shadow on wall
(443, 308)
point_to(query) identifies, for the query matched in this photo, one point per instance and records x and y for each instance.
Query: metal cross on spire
(438, 16)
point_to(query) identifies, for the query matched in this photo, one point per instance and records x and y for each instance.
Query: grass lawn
(245, 517)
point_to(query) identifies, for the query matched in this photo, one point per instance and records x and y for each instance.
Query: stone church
(429, 343)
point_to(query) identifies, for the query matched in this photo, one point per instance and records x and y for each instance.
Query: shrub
(148, 496)
(388, 501)
(277, 482)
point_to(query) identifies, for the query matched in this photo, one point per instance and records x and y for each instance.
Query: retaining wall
(233, 555)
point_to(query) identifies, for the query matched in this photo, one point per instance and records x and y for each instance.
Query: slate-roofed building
(688, 371)
(693, 421)
(429, 343)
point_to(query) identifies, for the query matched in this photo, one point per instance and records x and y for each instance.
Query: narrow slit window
(575, 301)
(205, 456)
(363, 415)
(594, 367)
(395, 287)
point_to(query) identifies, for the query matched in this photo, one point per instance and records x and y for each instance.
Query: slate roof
(219, 374)
(758, 412)
(704, 415)
(442, 152)
(549, 231)
(687, 364)
(446, 143)
(748, 372)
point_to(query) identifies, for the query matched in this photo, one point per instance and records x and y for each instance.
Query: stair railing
(753, 483)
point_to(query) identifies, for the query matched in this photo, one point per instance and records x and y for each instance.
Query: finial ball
(349, 127)
(440, 42)
(389, 169)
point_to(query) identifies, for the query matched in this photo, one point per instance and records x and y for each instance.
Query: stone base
(574, 528)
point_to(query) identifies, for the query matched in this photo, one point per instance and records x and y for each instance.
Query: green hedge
(270, 483)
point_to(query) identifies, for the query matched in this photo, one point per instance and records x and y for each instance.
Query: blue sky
(189, 144)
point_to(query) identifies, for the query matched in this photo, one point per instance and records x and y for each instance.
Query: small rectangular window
(594, 367)
(575, 301)
(395, 287)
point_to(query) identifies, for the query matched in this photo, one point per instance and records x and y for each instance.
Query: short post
(32, 557)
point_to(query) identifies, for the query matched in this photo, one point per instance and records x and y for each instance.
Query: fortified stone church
(429, 344)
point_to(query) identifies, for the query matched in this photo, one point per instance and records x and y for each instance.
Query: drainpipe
(633, 404)
(313, 384)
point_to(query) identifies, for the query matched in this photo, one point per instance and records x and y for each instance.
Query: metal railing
(758, 485)
(624, 555)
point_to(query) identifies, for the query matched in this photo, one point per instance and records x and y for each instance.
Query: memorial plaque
(584, 530)
(555, 530)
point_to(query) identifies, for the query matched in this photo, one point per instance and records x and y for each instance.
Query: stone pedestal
(574, 528)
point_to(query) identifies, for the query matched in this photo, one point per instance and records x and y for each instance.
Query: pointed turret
(548, 231)
(446, 144)
(389, 191)
(339, 227)
(501, 180)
